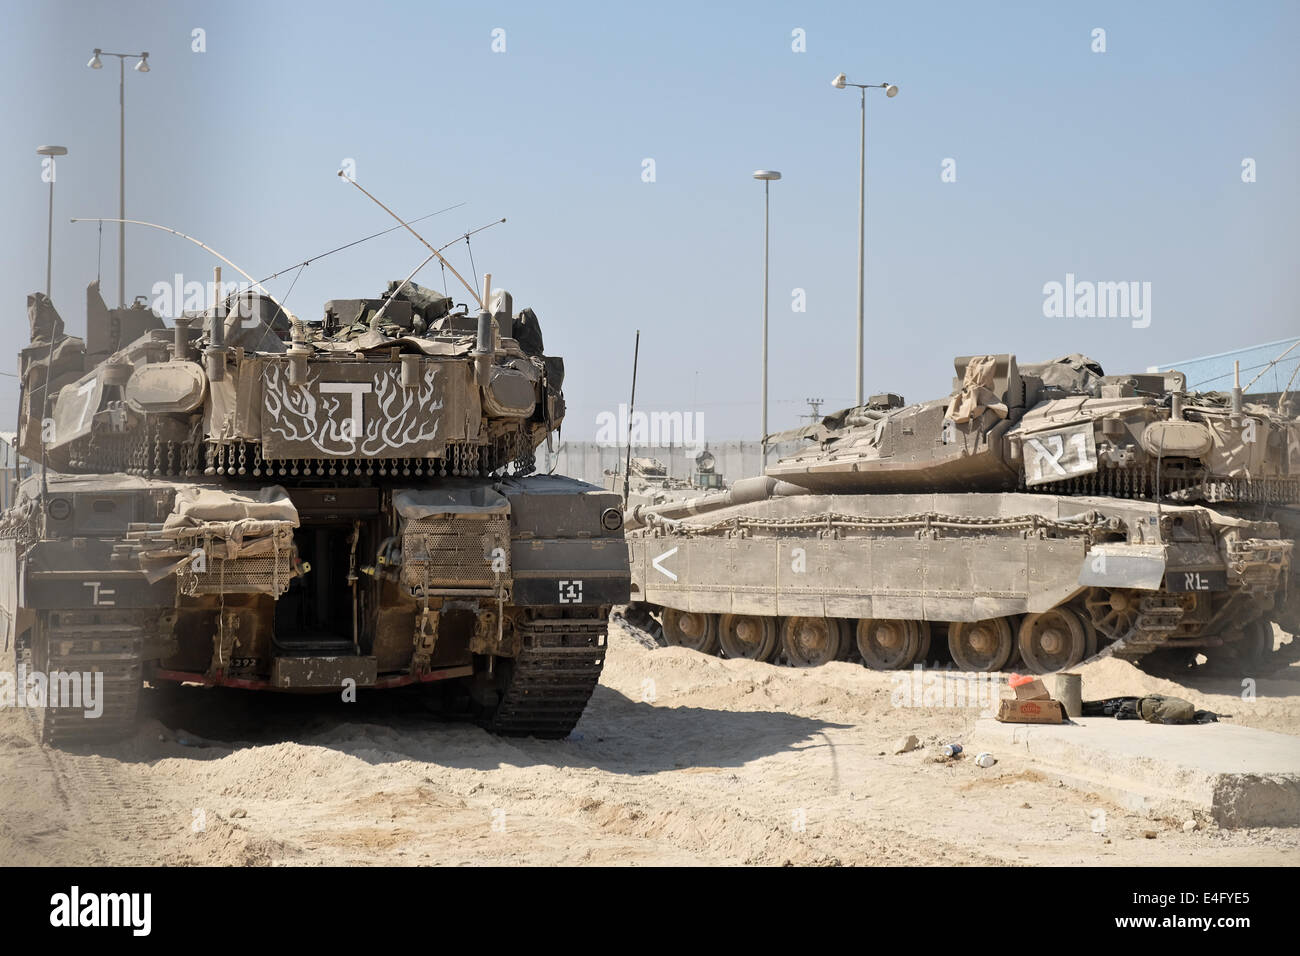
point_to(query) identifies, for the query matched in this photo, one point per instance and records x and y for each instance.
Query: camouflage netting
(1075, 373)
(45, 321)
(976, 395)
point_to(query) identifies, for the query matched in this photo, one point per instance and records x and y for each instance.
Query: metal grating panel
(456, 551)
(259, 574)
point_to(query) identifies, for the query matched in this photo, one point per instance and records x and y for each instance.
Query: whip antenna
(356, 242)
(627, 467)
(472, 290)
(429, 258)
(201, 245)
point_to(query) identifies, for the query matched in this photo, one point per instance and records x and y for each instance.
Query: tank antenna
(631, 406)
(1281, 399)
(1265, 369)
(356, 242)
(472, 290)
(472, 232)
(403, 284)
(201, 245)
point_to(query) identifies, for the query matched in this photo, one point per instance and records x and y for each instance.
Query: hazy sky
(1123, 165)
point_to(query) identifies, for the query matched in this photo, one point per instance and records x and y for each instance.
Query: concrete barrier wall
(589, 460)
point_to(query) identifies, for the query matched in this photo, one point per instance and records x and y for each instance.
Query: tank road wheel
(982, 645)
(1090, 636)
(814, 641)
(889, 645)
(1256, 648)
(1053, 640)
(749, 636)
(923, 652)
(691, 629)
(1246, 656)
(1015, 661)
(1113, 611)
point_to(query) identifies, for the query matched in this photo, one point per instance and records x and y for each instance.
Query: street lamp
(142, 67)
(767, 176)
(50, 151)
(840, 82)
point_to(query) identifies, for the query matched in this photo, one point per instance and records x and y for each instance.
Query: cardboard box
(1032, 690)
(1011, 711)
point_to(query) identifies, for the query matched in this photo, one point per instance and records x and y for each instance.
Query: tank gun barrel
(743, 492)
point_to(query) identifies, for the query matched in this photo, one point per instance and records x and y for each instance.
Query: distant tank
(650, 484)
(254, 501)
(1036, 515)
(706, 474)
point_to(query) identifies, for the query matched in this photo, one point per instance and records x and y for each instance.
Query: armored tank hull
(334, 507)
(1033, 519)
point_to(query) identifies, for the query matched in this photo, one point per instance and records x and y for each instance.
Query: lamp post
(767, 176)
(840, 82)
(142, 67)
(50, 151)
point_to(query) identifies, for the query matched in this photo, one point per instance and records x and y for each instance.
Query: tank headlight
(611, 519)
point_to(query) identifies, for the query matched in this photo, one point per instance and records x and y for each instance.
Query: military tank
(1035, 517)
(251, 500)
(649, 482)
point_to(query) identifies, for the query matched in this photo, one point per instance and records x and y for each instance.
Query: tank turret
(401, 384)
(1060, 427)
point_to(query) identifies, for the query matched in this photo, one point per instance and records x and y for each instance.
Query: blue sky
(1115, 166)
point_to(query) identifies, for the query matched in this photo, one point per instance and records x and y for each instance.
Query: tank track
(113, 650)
(552, 679)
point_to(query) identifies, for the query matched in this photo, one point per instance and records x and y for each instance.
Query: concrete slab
(1236, 776)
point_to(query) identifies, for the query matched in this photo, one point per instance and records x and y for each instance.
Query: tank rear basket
(456, 552)
(265, 571)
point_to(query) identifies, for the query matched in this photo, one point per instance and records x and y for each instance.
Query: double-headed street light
(840, 82)
(142, 67)
(767, 176)
(51, 152)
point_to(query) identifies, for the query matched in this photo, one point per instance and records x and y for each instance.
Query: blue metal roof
(1214, 372)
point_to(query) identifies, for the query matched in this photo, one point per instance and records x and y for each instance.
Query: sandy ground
(679, 759)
